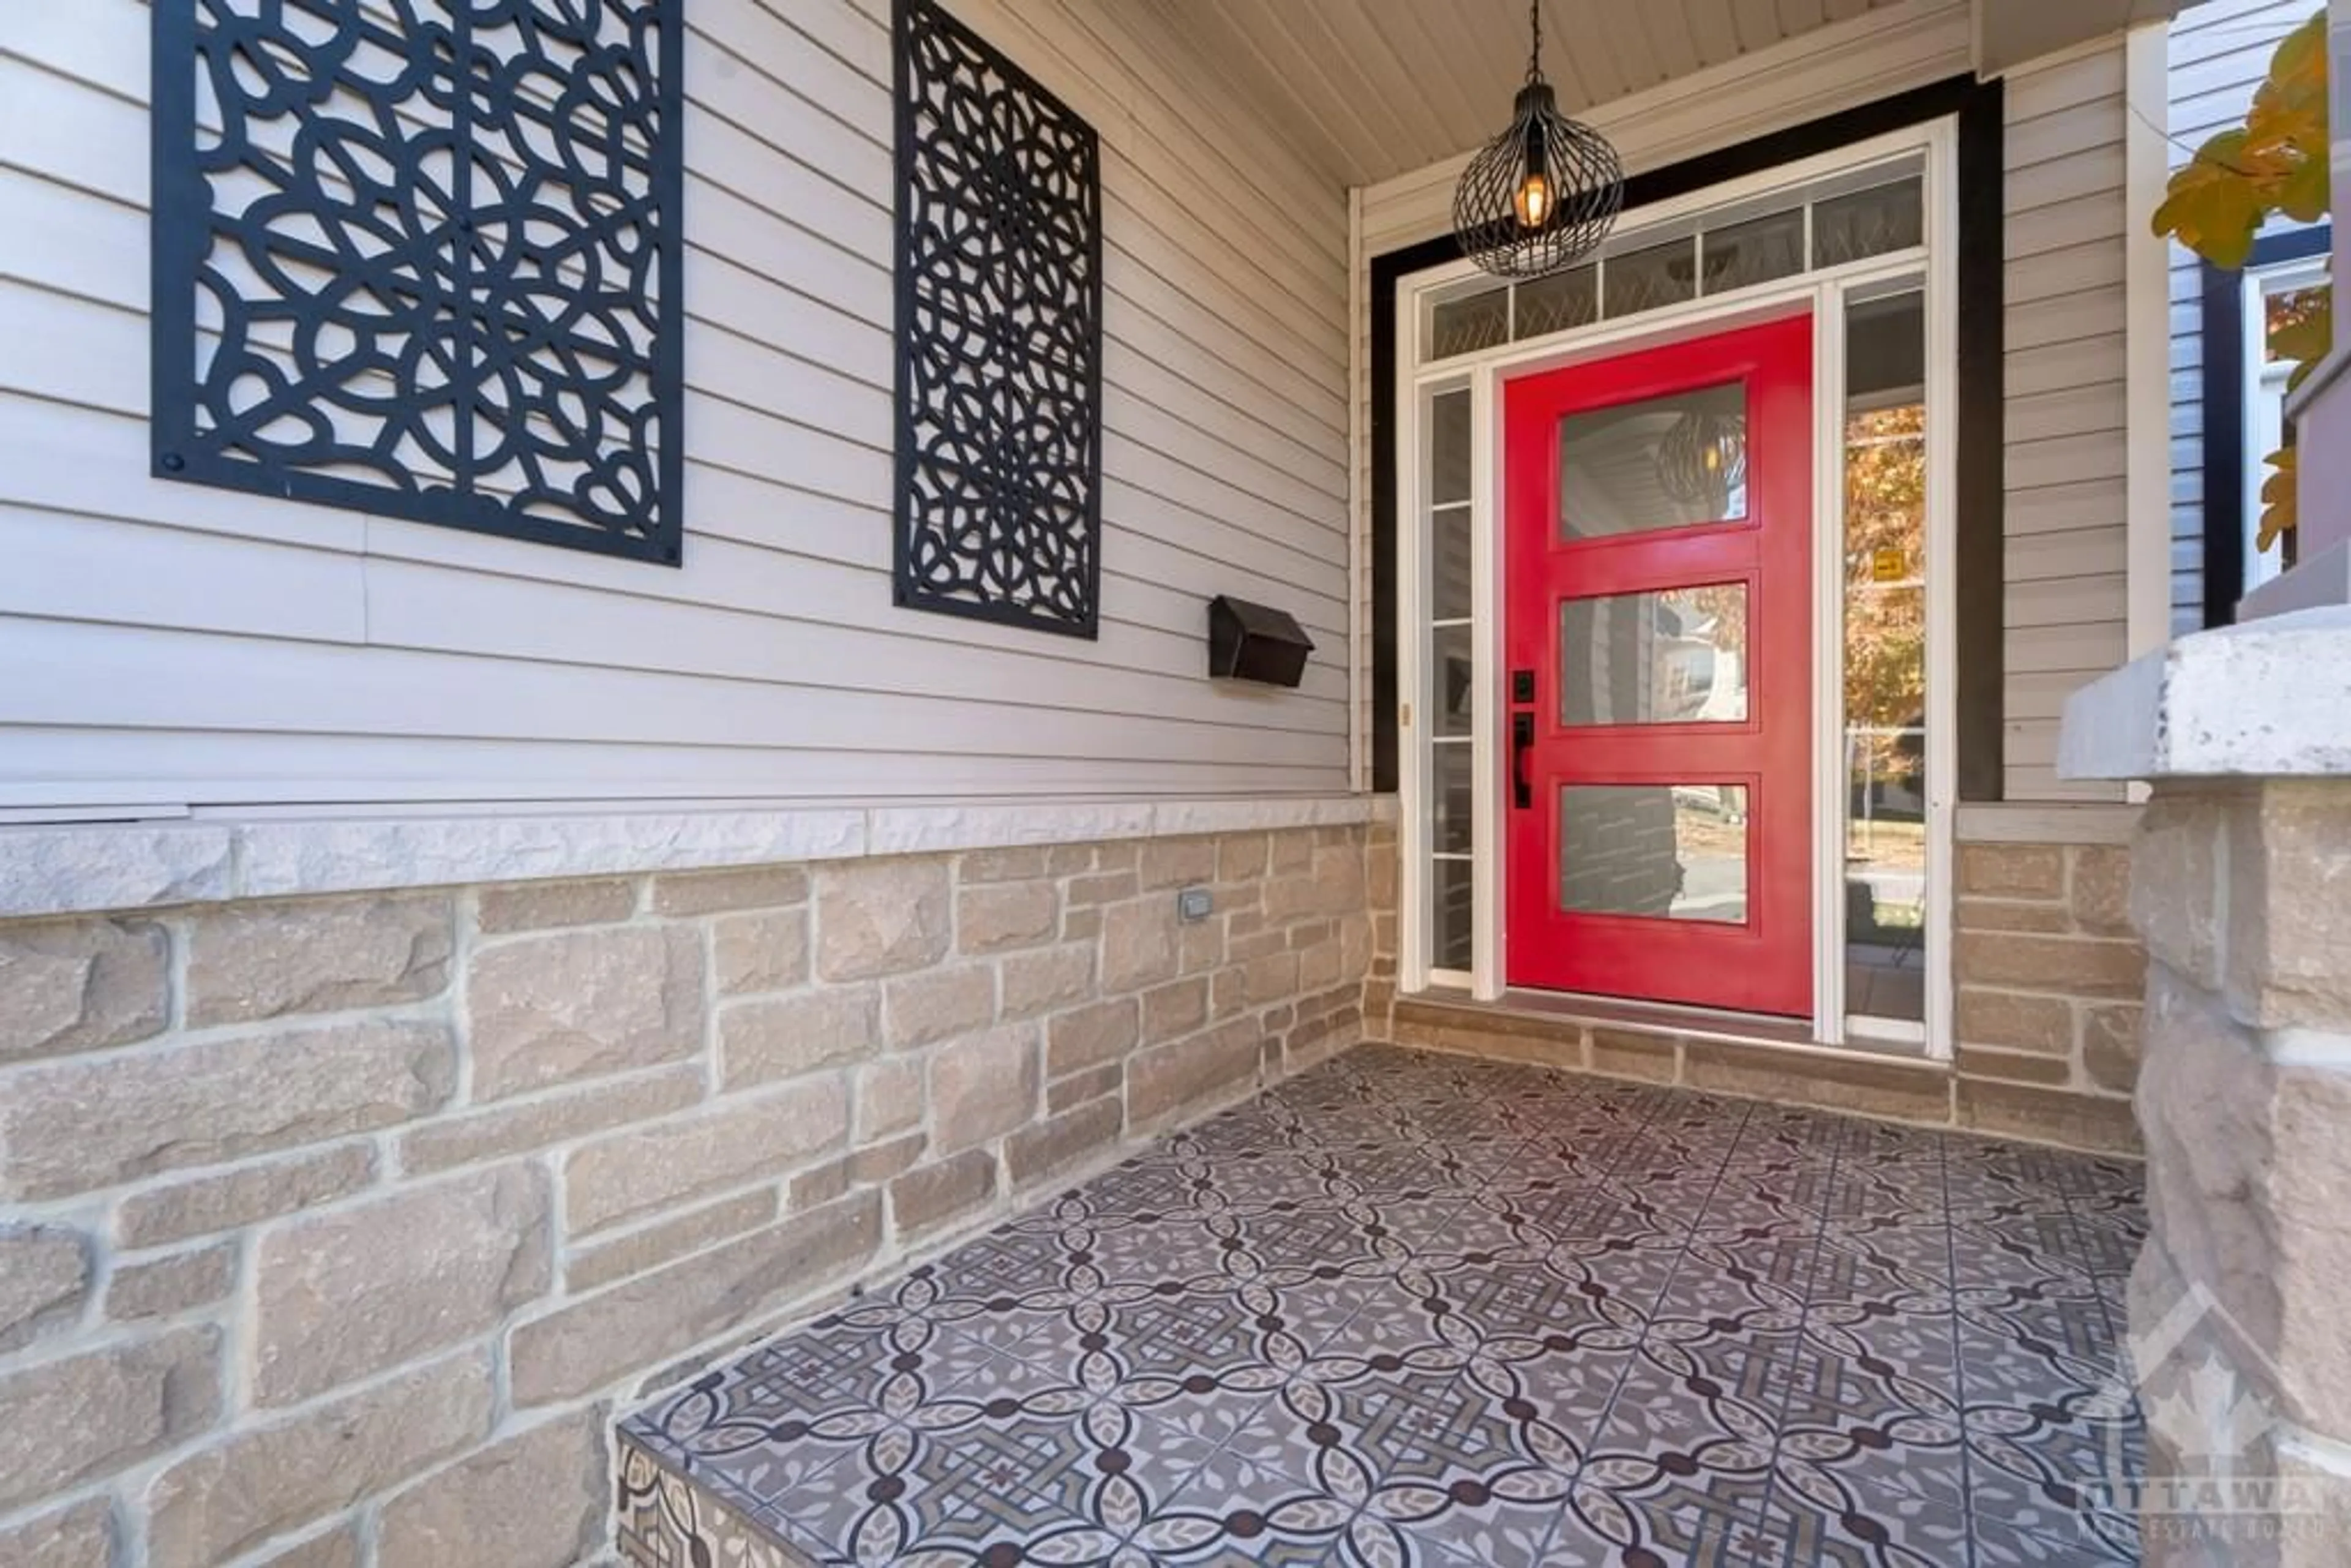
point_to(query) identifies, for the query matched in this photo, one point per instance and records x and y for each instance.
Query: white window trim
(1485, 370)
(2264, 396)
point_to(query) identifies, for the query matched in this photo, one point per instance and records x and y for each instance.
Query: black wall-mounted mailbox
(1256, 643)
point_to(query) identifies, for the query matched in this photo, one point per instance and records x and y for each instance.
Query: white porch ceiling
(1371, 88)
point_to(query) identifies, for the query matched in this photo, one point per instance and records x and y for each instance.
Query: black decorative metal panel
(421, 258)
(999, 337)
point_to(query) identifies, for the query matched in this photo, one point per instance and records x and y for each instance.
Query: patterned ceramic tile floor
(1409, 1309)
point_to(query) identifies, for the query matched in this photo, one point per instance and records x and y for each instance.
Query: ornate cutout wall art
(422, 258)
(999, 337)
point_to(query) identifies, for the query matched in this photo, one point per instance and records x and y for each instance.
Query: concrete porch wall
(352, 1219)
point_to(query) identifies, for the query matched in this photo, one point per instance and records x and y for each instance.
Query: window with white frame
(2271, 297)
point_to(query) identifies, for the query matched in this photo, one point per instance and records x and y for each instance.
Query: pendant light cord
(1534, 55)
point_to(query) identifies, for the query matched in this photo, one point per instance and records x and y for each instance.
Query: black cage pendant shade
(1543, 194)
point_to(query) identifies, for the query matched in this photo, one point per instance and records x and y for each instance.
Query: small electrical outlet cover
(1193, 904)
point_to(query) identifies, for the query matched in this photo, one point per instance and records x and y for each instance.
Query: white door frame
(1484, 375)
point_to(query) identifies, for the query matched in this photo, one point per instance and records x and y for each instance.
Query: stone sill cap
(2266, 699)
(86, 868)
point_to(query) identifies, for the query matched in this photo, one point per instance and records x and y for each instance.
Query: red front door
(1657, 590)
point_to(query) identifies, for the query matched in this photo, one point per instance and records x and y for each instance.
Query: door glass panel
(1661, 463)
(1448, 448)
(1874, 222)
(1464, 326)
(1451, 916)
(1453, 677)
(1644, 280)
(1453, 809)
(1556, 302)
(1756, 251)
(1674, 851)
(1886, 658)
(1678, 655)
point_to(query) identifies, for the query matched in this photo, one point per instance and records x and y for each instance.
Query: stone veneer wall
(2237, 1304)
(2048, 975)
(332, 1230)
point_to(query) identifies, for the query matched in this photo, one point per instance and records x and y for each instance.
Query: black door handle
(1522, 740)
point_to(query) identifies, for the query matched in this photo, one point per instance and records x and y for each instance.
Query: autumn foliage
(2277, 162)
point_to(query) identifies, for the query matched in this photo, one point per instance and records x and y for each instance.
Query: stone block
(582, 1004)
(79, 985)
(939, 1004)
(765, 951)
(2078, 1120)
(588, 1343)
(1292, 850)
(2110, 1046)
(2015, 1021)
(1199, 947)
(2101, 889)
(225, 1500)
(2013, 871)
(1063, 1143)
(1240, 857)
(157, 1215)
(1176, 863)
(551, 905)
(881, 917)
(1624, 1053)
(1167, 1083)
(250, 961)
(44, 1279)
(2013, 1066)
(2069, 965)
(983, 1086)
(1010, 914)
(1332, 885)
(879, 1161)
(1081, 926)
(643, 1169)
(165, 1287)
(1138, 944)
(1270, 978)
(65, 1423)
(2011, 914)
(1017, 863)
(649, 1247)
(2289, 926)
(2176, 880)
(81, 1536)
(936, 1196)
(1103, 888)
(1093, 1084)
(1045, 979)
(77, 1125)
(1899, 1090)
(504, 1131)
(1175, 1009)
(719, 892)
(891, 1097)
(342, 1295)
(536, 1499)
(1089, 1036)
(779, 1038)
(1069, 860)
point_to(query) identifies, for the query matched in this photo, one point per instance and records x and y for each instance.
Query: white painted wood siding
(2220, 51)
(167, 645)
(2066, 606)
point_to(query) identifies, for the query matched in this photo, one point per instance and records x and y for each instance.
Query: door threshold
(1659, 1017)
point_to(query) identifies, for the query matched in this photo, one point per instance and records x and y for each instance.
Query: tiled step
(1417, 1310)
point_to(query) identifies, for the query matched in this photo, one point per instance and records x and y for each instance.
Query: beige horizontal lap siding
(2066, 610)
(197, 646)
(2218, 53)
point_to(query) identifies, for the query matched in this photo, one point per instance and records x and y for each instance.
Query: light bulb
(1533, 199)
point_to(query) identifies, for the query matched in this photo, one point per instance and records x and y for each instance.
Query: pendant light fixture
(1543, 195)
